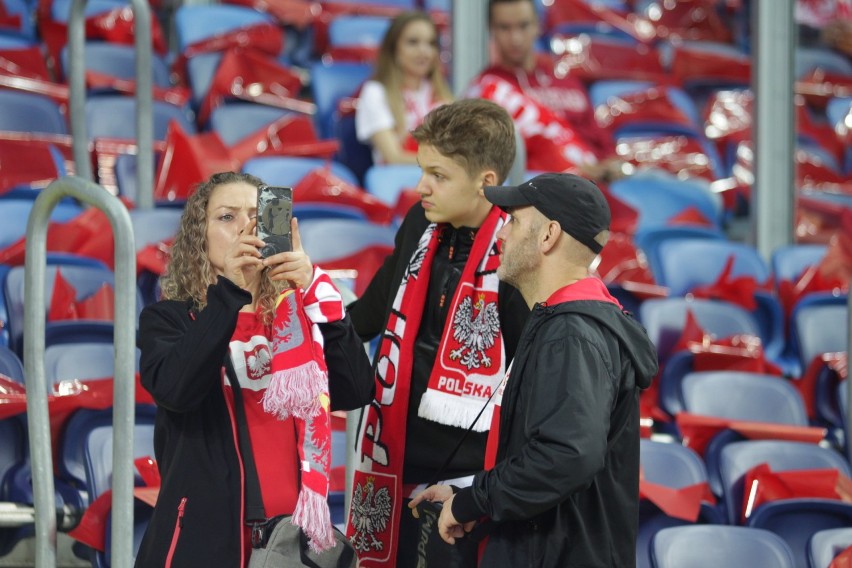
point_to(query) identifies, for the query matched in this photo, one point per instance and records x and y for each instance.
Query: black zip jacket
(198, 520)
(565, 489)
(429, 443)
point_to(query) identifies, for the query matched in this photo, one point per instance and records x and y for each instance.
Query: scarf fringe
(296, 391)
(314, 517)
(453, 410)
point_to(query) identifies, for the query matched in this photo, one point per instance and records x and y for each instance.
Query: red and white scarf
(299, 388)
(469, 365)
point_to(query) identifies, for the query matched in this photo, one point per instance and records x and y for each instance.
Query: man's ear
(549, 237)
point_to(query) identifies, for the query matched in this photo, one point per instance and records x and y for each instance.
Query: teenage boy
(448, 330)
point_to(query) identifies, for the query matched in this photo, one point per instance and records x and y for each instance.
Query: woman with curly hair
(407, 84)
(242, 343)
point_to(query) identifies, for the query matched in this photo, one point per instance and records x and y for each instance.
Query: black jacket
(200, 466)
(565, 490)
(429, 443)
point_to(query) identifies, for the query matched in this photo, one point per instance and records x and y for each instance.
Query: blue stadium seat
(386, 181)
(15, 212)
(808, 59)
(80, 362)
(13, 41)
(200, 22)
(60, 10)
(685, 264)
(353, 153)
(797, 520)
(836, 111)
(675, 466)
(664, 319)
(11, 366)
(659, 196)
(87, 446)
(236, 120)
(119, 61)
(818, 325)
(30, 112)
(650, 239)
(26, 17)
(101, 113)
(713, 546)
(329, 84)
(401, 4)
(329, 239)
(737, 458)
(151, 226)
(739, 395)
(200, 71)
(826, 544)
(602, 91)
(789, 262)
(86, 281)
(288, 170)
(359, 30)
(305, 211)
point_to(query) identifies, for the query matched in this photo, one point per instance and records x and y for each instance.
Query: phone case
(274, 211)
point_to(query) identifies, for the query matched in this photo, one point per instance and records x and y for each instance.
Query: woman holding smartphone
(232, 318)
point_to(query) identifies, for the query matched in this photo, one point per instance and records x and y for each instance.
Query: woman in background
(406, 85)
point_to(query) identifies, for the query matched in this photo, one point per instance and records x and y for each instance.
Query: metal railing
(144, 98)
(38, 418)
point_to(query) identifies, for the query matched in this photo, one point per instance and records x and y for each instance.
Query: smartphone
(274, 211)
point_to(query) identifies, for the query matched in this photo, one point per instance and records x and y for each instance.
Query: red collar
(589, 288)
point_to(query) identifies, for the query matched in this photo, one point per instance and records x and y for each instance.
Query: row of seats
(794, 523)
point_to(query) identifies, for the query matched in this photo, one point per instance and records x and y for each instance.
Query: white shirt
(373, 113)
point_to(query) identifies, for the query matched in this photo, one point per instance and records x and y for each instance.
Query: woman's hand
(293, 267)
(242, 263)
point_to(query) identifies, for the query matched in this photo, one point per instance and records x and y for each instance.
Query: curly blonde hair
(189, 272)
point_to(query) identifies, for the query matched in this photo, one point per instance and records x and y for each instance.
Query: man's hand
(433, 493)
(448, 527)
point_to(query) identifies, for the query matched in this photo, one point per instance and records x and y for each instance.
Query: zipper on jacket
(176, 534)
(451, 253)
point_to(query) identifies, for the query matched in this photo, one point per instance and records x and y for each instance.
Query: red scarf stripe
(376, 502)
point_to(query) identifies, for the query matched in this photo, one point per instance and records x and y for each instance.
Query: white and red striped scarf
(469, 365)
(299, 388)
(552, 145)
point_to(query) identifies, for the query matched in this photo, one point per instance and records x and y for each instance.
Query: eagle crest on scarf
(476, 328)
(371, 511)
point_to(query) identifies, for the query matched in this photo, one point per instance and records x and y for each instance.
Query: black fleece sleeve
(565, 421)
(370, 311)
(180, 356)
(350, 375)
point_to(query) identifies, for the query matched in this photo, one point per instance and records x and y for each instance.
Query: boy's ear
(489, 177)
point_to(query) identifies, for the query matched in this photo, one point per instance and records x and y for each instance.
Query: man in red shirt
(552, 111)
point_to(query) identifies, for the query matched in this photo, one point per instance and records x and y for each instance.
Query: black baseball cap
(577, 204)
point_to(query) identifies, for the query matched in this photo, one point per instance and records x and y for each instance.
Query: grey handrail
(144, 96)
(38, 419)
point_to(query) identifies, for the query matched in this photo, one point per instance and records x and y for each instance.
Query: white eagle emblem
(371, 511)
(475, 326)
